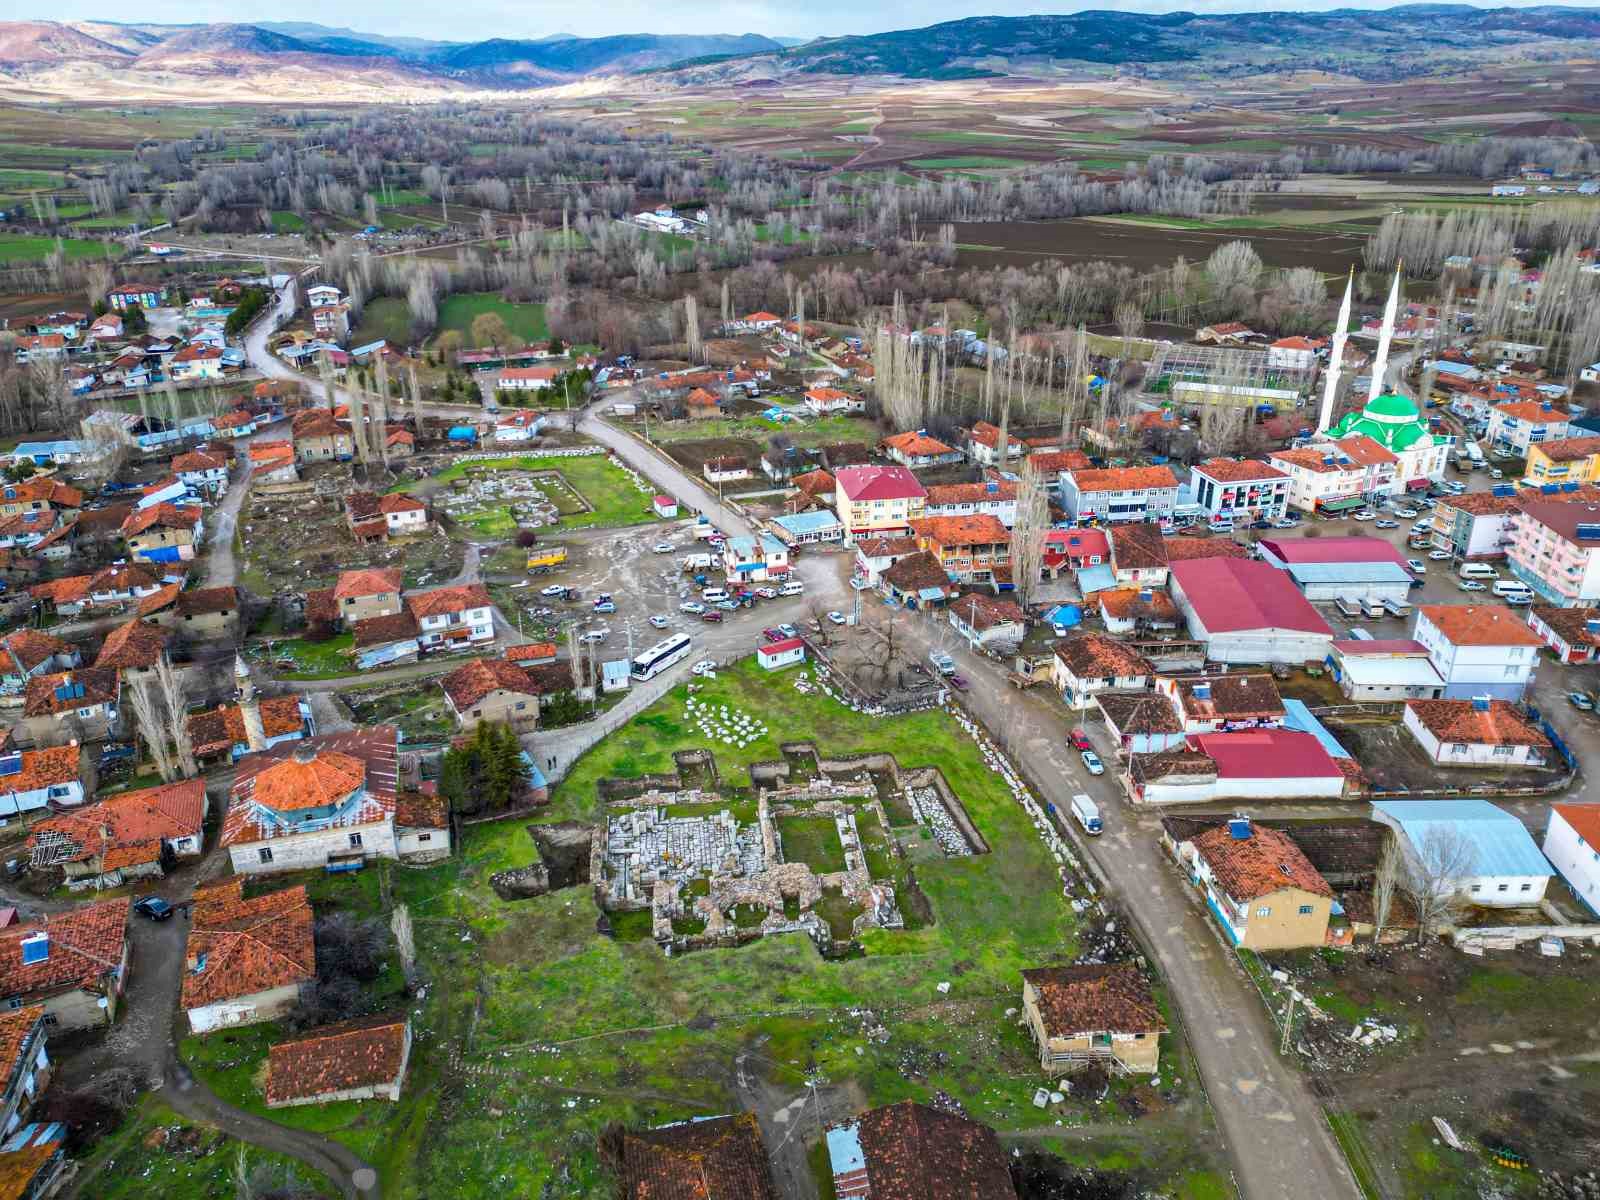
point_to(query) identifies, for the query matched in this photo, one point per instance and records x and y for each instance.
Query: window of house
(355, 841)
(1305, 910)
(50, 1022)
(424, 837)
(1264, 911)
(14, 1002)
(1504, 887)
(1527, 887)
(1475, 888)
(265, 854)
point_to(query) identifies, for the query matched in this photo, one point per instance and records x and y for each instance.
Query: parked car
(711, 617)
(704, 667)
(1580, 701)
(1285, 523)
(693, 607)
(1417, 565)
(1092, 763)
(1363, 515)
(1057, 628)
(958, 683)
(555, 589)
(1386, 524)
(767, 593)
(594, 636)
(153, 908)
(788, 630)
(1080, 739)
(604, 605)
(1439, 555)
(772, 635)
(836, 617)
(1406, 512)
(662, 548)
(1470, 585)
(727, 605)
(660, 622)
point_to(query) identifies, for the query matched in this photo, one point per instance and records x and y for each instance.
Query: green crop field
(961, 162)
(23, 180)
(16, 248)
(286, 222)
(526, 321)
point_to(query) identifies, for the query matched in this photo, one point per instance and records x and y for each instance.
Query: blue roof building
(1490, 856)
(805, 528)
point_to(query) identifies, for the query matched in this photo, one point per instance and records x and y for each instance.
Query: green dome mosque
(1391, 420)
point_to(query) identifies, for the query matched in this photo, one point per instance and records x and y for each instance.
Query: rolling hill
(91, 59)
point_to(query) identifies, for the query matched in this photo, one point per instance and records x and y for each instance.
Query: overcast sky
(475, 20)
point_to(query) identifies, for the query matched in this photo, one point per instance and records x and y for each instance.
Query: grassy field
(23, 248)
(533, 1031)
(158, 1153)
(287, 222)
(963, 162)
(818, 432)
(614, 498)
(526, 321)
(385, 317)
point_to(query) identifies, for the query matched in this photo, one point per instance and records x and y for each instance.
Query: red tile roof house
(233, 730)
(1259, 885)
(203, 472)
(491, 689)
(452, 617)
(374, 518)
(983, 445)
(1093, 1013)
(712, 1158)
(34, 779)
(78, 704)
(308, 804)
(970, 549)
(24, 1064)
(987, 620)
(1090, 663)
(1475, 733)
(29, 652)
(75, 963)
(915, 449)
(163, 533)
(367, 592)
(135, 648)
(1573, 634)
(246, 960)
(909, 1151)
(365, 1059)
(1220, 703)
(134, 835)
(1248, 612)
(121, 584)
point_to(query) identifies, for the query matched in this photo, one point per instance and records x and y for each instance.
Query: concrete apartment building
(1240, 490)
(1555, 550)
(1478, 650)
(1120, 494)
(1522, 424)
(877, 501)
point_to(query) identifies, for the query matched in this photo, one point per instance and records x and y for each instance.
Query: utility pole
(1288, 1025)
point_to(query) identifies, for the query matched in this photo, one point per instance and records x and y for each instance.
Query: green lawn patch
(526, 321)
(813, 841)
(23, 180)
(316, 660)
(284, 221)
(387, 318)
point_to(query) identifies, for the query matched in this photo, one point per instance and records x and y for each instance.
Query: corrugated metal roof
(844, 1150)
(1353, 572)
(1298, 717)
(1502, 845)
(1390, 672)
(807, 522)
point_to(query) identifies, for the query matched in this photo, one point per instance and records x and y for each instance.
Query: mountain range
(89, 59)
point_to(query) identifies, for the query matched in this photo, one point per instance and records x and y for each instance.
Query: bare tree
(1384, 883)
(1027, 534)
(175, 695)
(1433, 875)
(152, 727)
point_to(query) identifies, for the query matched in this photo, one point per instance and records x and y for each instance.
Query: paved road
(1273, 1126)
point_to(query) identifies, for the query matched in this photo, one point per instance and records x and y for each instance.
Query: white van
(1087, 814)
(714, 595)
(1477, 571)
(1371, 607)
(792, 588)
(1508, 587)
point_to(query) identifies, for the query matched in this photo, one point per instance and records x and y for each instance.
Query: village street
(1252, 1090)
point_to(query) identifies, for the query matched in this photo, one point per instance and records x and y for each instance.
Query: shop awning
(1346, 504)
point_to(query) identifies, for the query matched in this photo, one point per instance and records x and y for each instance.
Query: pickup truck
(942, 662)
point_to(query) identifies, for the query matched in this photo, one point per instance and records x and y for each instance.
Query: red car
(1080, 740)
(772, 635)
(713, 616)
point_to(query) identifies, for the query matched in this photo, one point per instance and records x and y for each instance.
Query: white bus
(660, 656)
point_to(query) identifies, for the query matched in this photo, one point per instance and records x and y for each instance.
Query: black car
(154, 908)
